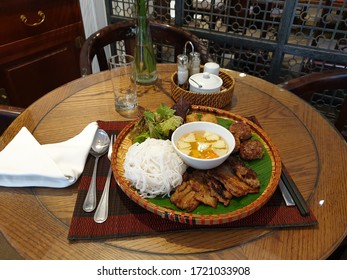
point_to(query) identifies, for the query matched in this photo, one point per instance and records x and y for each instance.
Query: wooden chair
(7, 116)
(163, 35)
(305, 86)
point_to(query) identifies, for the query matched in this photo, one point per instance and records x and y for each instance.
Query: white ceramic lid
(205, 81)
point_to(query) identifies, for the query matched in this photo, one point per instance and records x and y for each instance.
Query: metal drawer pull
(24, 19)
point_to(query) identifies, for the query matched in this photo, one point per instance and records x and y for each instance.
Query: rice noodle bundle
(153, 167)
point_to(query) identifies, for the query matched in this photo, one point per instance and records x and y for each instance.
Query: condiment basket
(212, 99)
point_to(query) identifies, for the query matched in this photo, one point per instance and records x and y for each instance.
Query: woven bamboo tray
(268, 170)
(212, 99)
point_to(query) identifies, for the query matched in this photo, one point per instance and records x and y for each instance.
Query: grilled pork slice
(200, 186)
(231, 182)
(220, 184)
(184, 197)
(218, 191)
(245, 173)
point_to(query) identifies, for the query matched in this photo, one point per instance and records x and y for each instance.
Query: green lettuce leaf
(165, 112)
(159, 124)
(170, 125)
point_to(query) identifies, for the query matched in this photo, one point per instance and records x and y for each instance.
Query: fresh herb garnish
(182, 108)
(159, 124)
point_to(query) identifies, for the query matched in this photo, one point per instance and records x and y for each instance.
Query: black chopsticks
(294, 192)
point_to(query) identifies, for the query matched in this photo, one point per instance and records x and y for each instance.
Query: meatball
(237, 145)
(251, 149)
(241, 130)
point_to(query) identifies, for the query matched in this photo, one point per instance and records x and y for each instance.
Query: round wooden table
(34, 222)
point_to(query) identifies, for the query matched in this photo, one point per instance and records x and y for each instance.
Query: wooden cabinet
(40, 43)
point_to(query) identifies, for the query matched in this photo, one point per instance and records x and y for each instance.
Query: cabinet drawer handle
(41, 14)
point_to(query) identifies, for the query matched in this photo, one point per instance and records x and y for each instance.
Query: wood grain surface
(34, 222)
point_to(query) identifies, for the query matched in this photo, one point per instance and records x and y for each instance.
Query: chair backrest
(305, 86)
(7, 115)
(163, 36)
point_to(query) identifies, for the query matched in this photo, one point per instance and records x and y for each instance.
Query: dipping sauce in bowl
(203, 145)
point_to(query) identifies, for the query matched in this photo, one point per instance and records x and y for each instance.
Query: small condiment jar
(182, 70)
(194, 63)
(205, 83)
(212, 68)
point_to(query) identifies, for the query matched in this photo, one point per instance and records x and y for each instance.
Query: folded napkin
(26, 163)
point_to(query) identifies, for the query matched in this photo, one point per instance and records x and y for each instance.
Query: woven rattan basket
(212, 99)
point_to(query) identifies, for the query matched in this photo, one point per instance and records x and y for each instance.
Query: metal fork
(101, 212)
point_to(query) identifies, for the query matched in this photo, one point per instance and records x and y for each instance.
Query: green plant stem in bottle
(145, 60)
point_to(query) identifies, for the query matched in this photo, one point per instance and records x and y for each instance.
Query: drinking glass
(123, 77)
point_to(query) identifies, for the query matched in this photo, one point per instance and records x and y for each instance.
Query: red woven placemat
(126, 218)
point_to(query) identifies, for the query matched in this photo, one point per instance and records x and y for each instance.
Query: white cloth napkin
(26, 163)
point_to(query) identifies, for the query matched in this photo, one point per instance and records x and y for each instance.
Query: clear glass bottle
(194, 58)
(145, 60)
(182, 70)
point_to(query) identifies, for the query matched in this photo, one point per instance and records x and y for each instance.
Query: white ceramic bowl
(205, 83)
(203, 126)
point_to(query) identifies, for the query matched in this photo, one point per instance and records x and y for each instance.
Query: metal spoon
(199, 85)
(101, 212)
(99, 147)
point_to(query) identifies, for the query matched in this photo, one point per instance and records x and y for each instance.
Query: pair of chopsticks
(294, 192)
